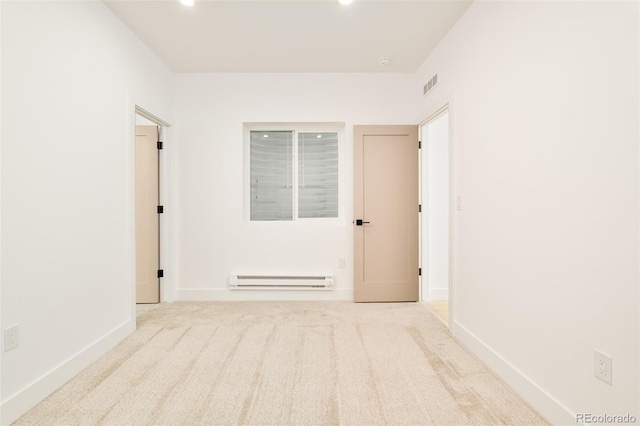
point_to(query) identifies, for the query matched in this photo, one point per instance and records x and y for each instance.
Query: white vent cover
(433, 82)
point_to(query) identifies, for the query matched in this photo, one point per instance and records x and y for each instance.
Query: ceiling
(290, 36)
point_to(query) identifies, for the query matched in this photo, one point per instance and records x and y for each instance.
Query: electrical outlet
(602, 366)
(11, 337)
(341, 262)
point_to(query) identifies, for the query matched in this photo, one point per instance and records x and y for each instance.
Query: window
(293, 175)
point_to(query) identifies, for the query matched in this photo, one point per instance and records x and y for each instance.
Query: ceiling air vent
(430, 84)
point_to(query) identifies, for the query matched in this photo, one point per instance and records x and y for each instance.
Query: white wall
(544, 103)
(214, 240)
(141, 121)
(1, 327)
(70, 71)
(435, 206)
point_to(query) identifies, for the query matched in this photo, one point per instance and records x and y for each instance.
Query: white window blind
(317, 175)
(293, 175)
(271, 175)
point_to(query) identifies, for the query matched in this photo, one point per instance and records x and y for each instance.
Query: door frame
(437, 108)
(166, 189)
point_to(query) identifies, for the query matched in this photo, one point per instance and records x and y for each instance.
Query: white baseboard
(22, 401)
(224, 294)
(541, 400)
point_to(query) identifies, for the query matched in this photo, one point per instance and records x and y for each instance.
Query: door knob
(360, 222)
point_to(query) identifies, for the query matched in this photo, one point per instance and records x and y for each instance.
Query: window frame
(296, 128)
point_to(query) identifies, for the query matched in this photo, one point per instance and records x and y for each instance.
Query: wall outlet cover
(11, 337)
(602, 366)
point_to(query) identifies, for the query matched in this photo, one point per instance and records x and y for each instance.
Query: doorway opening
(149, 210)
(436, 211)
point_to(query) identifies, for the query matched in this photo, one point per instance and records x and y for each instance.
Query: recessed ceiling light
(344, 2)
(188, 2)
(384, 61)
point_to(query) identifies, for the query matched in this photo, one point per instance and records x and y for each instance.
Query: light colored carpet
(286, 363)
(144, 308)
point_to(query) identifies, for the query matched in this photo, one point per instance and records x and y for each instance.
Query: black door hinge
(160, 273)
(419, 144)
(159, 145)
(160, 209)
(419, 208)
(419, 271)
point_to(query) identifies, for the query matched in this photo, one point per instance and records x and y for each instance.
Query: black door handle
(360, 222)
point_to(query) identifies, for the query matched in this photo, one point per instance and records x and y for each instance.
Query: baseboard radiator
(280, 282)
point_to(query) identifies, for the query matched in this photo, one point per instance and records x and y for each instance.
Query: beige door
(386, 201)
(147, 239)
